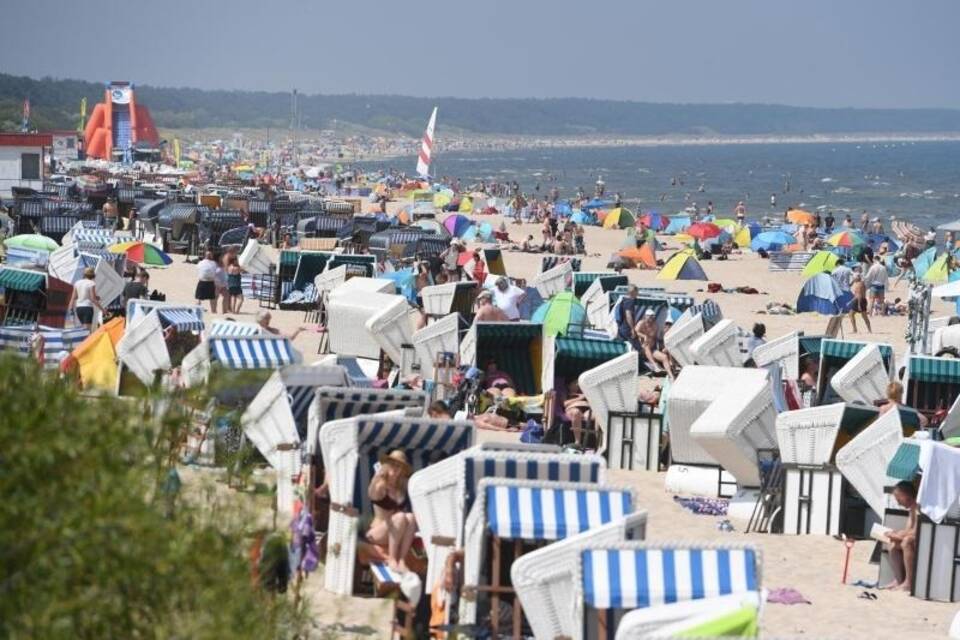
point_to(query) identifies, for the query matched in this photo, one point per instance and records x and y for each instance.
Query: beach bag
(532, 433)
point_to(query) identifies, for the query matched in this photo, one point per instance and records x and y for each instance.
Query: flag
(83, 115)
(176, 152)
(26, 114)
(426, 146)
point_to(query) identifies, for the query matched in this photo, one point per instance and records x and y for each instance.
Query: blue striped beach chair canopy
(337, 403)
(302, 382)
(423, 440)
(479, 464)
(638, 576)
(234, 329)
(551, 513)
(185, 318)
(57, 343)
(261, 352)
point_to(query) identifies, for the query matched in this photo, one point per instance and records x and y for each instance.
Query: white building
(21, 160)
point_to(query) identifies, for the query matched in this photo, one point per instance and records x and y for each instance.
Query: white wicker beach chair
(612, 386)
(392, 329)
(863, 461)
(348, 313)
(690, 395)
(686, 330)
(596, 304)
(442, 336)
(553, 280)
(443, 493)
(329, 279)
(531, 510)
(63, 263)
(143, 350)
(785, 351)
(109, 283)
(614, 579)
(438, 299)
(252, 352)
(807, 436)
(719, 346)
(255, 258)
(360, 284)
(195, 366)
(668, 620)
(350, 448)
(950, 427)
(222, 328)
(543, 579)
(863, 379)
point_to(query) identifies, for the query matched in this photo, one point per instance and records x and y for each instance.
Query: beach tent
(640, 256)
(456, 224)
(820, 262)
(561, 315)
(742, 237)
(466, 205)
(823, 295)
(939, 271)
(583, 217)
(727, 223)
(682, 266)
(620, 217)
(703, 230)
(772, 241)
(923, 262)
(96, 356)
(677, 224)
(654, 220)
(562, 208)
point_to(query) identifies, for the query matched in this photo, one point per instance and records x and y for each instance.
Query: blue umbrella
(822, 294)
(596, 203)
(583, 217)
(772, 241)
(562, 208)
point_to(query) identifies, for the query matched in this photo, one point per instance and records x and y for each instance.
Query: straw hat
(398, 459)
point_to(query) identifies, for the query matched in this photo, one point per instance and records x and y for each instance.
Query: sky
(833, 53)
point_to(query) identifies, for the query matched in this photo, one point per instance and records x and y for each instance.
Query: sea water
(914, 181)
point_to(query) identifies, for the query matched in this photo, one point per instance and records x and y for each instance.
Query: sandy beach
(810, 564)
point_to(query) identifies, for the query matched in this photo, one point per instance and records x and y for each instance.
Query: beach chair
(614, 579)
(682, 335)
(348, 311)
(442, 299)
(609, 280)
(109, 283)
(443, 493)
(64, 264)
(863, 379)
(553, 280)
(931, 384)
(543, 578)
(723, 616)
(440, 337)
(595, 303)
(508, 518)
(720, 419)
(785, 351)
(56, 342)
(226, 329)
(255, 258)
(351, 447)
(817, 500)
(517, 348)
(937, 574)
(392, 329)
(863, 461)
(330, 279)
(719, 346)
(143, 350)
(252, 352)
(549, 262)
(835, 354)
(789, 260)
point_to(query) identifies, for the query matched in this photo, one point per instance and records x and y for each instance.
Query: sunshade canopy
(534, 513)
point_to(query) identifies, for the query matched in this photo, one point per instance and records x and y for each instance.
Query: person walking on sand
(878, 279)
(84, 298)
(207, 281)
(859, 303)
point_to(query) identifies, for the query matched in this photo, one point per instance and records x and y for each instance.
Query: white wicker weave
(62, 263)
(255, 258)
(475, 533)
(442, 336)
(360, 285)
(330, 279)
(143, 350)
(269, 424)
(950, 427)
(195, 366)
(611, 386)
(543, 579)
(687, 330)
(690, 394)
(666, 620)
(863, 379)
(596, 304)
(109, 283)
(438, 299)
(577, 608)
(553, 280)
(863, 461)
(468, 347)
(348, 312)
(719, 346)
(807, 436)
(784, 350)
(392, 329)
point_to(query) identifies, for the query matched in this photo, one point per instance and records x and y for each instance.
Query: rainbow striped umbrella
(846, 238)
(142, 253)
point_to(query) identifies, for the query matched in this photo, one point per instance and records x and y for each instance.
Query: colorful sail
(426, 146)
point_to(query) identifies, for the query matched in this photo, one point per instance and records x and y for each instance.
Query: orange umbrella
(642, 255)
(799, 216)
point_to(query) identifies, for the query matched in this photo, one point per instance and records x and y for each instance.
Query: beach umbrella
(822, 294)
(456, 224)
(847, 239)
(582, 217)
(820, 262)
(562, 208)
(772, 241)
(892, 269)
(561, 315)
(31, 241)
(431, 226)
(682, 266)
(703, 230)
(620, 218)
(594, 204)
(923, 261)
(939, 271)
(642, 255)
(142, 253)
(799, 216)
(654, 220)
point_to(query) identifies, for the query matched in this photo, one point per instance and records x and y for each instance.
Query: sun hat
(398, 459)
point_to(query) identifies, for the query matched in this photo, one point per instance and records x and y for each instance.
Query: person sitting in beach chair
(577, 409)
(892, 401)
(648, 333)
(498, 383)
(903, 544)
(393, 526)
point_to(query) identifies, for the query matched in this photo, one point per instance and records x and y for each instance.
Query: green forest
(56, 104)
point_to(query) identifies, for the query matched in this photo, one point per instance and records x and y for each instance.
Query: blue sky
(879, 53)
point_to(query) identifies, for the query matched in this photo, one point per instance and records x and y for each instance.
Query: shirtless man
(487, 311)
(903, 543)
(859, 304)
(647, 332)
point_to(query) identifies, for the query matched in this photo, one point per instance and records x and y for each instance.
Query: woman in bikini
(393, 526)
(577, 409)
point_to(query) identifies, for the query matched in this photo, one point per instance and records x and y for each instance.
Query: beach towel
(703, 506)
(786, 595)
